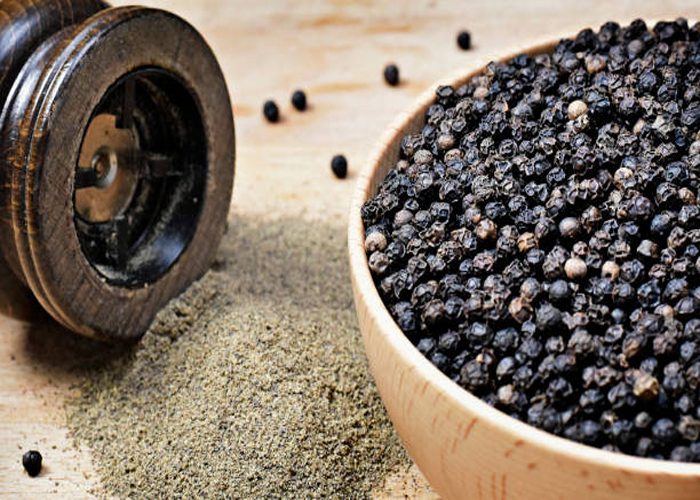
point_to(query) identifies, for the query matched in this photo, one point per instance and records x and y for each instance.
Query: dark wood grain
(45, 117)
(24, 25)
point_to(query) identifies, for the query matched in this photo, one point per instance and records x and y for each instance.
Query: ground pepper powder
(252, 384)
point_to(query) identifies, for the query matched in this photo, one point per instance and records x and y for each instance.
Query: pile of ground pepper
(252, 384)
(539, 238)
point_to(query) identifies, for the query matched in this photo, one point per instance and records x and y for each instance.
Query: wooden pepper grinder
(117, 151)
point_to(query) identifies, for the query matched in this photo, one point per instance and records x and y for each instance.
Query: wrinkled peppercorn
(539, 238)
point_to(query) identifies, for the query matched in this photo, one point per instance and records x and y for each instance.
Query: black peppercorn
(31, 461)
(379, 263)
(271, 111)
(299, 100)
(339, 166)
(464, 40)
(391, 74)
(559, 291)
(664, 430)
(530, 289)
(474, 376)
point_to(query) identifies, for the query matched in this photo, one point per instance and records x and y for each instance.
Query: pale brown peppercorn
(694, 148)
(422, 157)
(575, 268)
(486, 230)
(446, 141)
(379, 262)
(480, 92)
(520, 309)
(453, 154)
(666, 311)
(374, 242)
(569, 227)
(526, 242)
(402, 165)
(506, 394)
(687, 196)
(576, 108)
(646, 386)
(595, 63)
(610, 270)
(622, 176)
(402, 217)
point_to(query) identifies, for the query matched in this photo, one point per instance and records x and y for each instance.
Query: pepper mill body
(116, 159)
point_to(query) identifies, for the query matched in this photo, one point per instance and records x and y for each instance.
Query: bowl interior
(383, 158)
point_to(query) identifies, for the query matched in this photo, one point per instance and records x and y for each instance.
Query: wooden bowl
(464, 447)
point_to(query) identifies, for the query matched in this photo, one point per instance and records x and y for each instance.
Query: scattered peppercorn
(540, 238)
(271, 111)
(339, 166)
(391, 74)
(299, 100)
(464, 40)
(31, 461)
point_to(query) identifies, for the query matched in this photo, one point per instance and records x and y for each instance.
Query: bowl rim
(366, 290)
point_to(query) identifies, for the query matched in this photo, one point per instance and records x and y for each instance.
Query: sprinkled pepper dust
(253, 383)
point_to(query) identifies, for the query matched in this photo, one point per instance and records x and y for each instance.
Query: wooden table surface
(336, 51)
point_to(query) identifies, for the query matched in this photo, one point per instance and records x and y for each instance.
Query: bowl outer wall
(464, 447)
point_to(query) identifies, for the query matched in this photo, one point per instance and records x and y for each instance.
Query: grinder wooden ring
(118, 150)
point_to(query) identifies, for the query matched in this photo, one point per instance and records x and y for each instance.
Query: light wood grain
(336, 51)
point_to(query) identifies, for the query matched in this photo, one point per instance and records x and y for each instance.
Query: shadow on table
(46, 343)
(16, 301)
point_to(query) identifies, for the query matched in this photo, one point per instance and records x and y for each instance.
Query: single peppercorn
(339, 166)
(520, 309)
(610, 270)
(569, 227)
(375, 241)
(271, 111)
(486, 230)
(526, 242)
(576, 108)
(379, 262)
(559, 291)
(530, 289)
(646, 386)
(391, 74)
(299, 100)
(575, 268)
(464, 40)
(31, 461)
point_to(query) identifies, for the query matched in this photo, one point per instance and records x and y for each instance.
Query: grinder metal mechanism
(117, 151)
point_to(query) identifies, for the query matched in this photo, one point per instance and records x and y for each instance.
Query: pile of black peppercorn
(539, 239)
